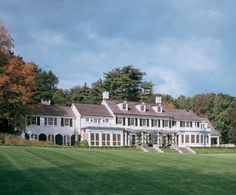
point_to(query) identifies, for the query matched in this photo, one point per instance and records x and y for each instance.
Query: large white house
(121, 123)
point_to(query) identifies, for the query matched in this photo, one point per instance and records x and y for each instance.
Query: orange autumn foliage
(169, 105)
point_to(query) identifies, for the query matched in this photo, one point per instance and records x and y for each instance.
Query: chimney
(46, 102)
(105, 95)
(158, 100)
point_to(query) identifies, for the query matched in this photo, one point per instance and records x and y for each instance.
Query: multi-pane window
(144, 122)
(33, 120)
(142, 107)
(94, 139)
(50, 121)
(201, 138)
(154, 123)
(197, 138)
(106, 139)
(132, 121)
(186, 138)
(120, 121)
(192, 138)
(182, 124)
(173, 123)
(182, 138)
(124, 106)
(67, 122)
(165, 123)
(159, 109)
(116, 139)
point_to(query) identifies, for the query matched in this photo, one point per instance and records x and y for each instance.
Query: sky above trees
(185, 47)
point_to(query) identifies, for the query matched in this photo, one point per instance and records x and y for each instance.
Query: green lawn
(41, 170)
(168, 150)
(215, 150)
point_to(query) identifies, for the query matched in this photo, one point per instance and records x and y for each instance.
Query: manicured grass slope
(215, 150)
(32, 170)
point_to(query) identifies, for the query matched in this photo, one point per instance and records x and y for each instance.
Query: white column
(218, 141)
(111, 138)
(100, 138)
(142, 138)
(125, 138)
(128, 139)
(122, 138)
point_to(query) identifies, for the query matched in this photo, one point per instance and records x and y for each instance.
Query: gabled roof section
(55, 110)
(93, 110)
(214, 132)
(132, 109)
(182, 114)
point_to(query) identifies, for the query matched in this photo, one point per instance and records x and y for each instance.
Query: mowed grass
(215, 150)
(41, 170)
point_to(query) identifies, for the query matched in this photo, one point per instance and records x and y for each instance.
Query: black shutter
(38, 120)
(71, 122)
(116, 120)
(159, 123)
(28, 120)
(140, 122)
(128, 121)
(152, 122)
(169, 123)
(124, 121)
(163, 123)
(62, 122)
(148, 122)
(136, 122)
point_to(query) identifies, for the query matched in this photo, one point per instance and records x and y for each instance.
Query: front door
(153, 138)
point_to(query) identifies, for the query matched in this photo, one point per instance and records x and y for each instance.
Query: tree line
(23, 85)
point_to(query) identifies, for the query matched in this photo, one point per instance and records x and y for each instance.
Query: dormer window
(143, 107)
(159, 109)
(124, 106)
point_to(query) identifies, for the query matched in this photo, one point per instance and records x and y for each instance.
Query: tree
(45, 84)
(16, 90)
(80, 94)
(124, 83)
(184, 102)
(232, 118)
(16, 84)
(61, 97)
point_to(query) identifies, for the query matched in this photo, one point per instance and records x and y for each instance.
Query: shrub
(83, 144)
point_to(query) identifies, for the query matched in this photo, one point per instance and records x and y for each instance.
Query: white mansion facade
(121, 123)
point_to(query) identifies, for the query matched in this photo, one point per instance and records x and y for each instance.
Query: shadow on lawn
(65, 180)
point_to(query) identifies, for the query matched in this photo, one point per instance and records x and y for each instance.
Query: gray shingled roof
(178, 114)
(181, 114)
(214, 132)
(55, 110)
(93, 110)
(132, 110)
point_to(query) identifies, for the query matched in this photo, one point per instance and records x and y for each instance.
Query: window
(197, 138)
(119, 121)
(201, 138)
(187, 124)
(124, 106)
(186, 138)
(173, 123)
(94, 139)
(144, 122)
(165, 123)
(107, 120)
(154, 123)
(116, 139)
(192, 138)
(142, 107)
(182, 123)
(132, 121)
(159, 123)
(95, 120)
(67, 122)
(197, 124)
(99, 120)
(158, 108)
(50, 121)
(33, 120)
(87, 119)
(106, 139)
(182, 138)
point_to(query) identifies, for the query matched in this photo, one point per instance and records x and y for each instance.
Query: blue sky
(185, 47)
